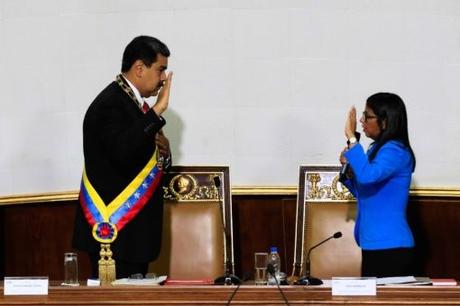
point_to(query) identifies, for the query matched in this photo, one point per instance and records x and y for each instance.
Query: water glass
(260, 265)
(70, 269)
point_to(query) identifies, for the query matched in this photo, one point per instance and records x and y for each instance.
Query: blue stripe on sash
(91, 206)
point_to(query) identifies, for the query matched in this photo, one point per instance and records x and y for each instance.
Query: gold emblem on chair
(192, 187)
(326, 186)
(183, 186)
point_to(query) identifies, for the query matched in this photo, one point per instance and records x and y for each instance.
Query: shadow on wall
(173, 130)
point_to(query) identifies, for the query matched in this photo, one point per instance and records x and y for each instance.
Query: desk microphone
(228, 278)
(271, 271)
(307, 279)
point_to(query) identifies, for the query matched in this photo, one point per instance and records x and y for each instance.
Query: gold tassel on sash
(107, 272)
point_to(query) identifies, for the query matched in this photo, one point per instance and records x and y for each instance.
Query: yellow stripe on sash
(107, 211)
(95, 197)
(135, 183)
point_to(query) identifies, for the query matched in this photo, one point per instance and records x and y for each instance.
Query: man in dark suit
(122, 136)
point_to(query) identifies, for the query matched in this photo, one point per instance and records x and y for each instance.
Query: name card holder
(354, 286)
(25, 286)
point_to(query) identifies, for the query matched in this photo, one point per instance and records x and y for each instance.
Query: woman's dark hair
(144, 48)
(390, 108)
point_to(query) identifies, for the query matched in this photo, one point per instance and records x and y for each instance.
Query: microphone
(343, 172)
(228, 278)
(308, 279)
(346, 166)
(271, 271)
(217, 184)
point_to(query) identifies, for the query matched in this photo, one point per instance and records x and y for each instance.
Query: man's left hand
(163, 144)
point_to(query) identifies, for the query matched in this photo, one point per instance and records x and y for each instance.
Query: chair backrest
(324, 207)
(197, 225)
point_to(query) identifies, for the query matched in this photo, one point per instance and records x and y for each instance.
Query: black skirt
(388, 262)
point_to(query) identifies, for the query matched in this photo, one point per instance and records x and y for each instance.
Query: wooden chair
(324, 207)
(197, 226)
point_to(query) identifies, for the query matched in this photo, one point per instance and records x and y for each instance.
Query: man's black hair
(144, 48)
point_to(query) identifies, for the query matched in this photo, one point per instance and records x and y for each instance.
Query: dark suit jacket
(118, 140)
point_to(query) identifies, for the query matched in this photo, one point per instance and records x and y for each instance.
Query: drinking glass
(260, 265)
(70, 269)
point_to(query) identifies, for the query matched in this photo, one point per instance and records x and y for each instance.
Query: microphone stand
(228, 278)
(308, 279)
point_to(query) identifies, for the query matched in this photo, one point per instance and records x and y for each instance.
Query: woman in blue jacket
(380, 180)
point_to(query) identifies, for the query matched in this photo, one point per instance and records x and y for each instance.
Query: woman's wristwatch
(354, 139)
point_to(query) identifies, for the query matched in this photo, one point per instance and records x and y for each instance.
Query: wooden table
(246, 295)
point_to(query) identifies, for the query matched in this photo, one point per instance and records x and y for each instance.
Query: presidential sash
(107, 220)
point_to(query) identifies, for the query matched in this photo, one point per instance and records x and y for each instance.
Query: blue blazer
(381, 188)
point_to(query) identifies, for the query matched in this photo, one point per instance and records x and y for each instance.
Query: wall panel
(36, 235)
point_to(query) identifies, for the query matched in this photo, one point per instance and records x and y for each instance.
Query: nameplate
(93, 282)
(25, 286)
(354, 286)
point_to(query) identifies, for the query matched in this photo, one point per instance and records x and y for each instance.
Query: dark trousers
(124, 269)
(389, 262)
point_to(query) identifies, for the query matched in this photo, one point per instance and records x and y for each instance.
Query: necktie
(145, 107)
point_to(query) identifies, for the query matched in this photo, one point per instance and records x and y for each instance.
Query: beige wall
(262, 86)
